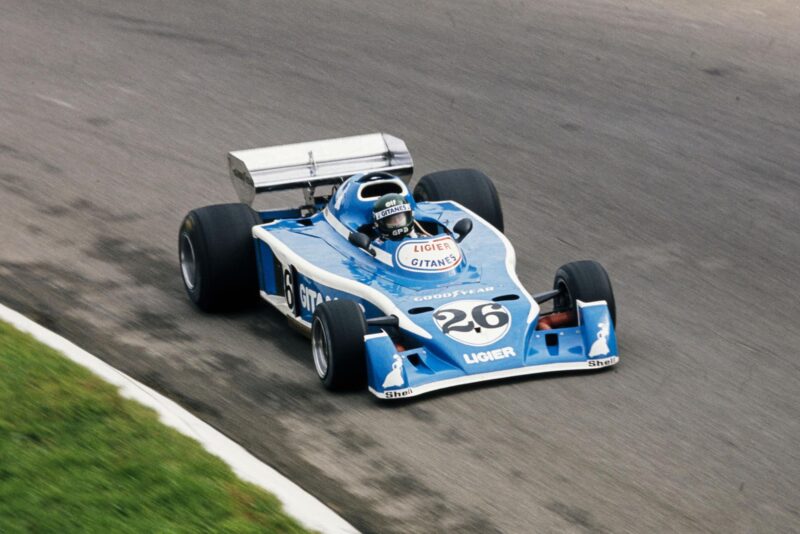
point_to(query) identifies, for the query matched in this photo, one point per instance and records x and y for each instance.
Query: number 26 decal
(473, 322)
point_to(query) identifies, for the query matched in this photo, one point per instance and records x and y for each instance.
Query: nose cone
(479, 335)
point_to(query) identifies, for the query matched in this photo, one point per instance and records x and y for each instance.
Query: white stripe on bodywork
(334, 281)
(375, 336)
(380, 255)
(399, 182)
(494, 375)
(280, 303)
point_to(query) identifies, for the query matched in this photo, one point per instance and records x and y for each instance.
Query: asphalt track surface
(660, 138)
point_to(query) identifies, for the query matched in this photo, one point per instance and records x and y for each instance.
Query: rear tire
(469, 187)
(337, 344)
(217, 256)
(586, 281)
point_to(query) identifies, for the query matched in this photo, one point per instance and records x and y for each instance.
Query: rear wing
(316, 163)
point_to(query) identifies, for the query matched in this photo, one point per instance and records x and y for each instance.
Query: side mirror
(361, 240)
(462, 228)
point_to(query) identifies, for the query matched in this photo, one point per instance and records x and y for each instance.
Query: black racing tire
(469, 187)
(337, 345)
(217, 257)
(586, 281)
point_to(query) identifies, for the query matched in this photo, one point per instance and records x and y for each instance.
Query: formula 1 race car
(439, 308)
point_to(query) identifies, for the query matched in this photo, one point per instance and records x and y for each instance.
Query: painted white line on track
(296, 502)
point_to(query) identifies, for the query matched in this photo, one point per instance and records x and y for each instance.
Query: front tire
(337, 344)
(217, 256)
(586, 281)
(469, 187)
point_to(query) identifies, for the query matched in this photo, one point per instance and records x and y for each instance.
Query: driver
(393, 217)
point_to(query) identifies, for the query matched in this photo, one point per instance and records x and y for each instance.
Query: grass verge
(77, 457)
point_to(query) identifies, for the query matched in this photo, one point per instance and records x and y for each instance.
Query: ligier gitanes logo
(429, 255)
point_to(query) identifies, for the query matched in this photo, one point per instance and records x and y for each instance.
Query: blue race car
(404, 293)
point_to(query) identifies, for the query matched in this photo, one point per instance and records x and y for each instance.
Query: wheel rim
(188, 262)
(562, 302)
(320, 347)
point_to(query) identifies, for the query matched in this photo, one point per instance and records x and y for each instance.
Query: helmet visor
(398, 220)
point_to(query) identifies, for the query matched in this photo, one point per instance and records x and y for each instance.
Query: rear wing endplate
(316, 163)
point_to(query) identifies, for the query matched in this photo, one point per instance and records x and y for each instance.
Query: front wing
(394, 374)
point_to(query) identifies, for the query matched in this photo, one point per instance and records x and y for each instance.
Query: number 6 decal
(290, 290)
(473, 322)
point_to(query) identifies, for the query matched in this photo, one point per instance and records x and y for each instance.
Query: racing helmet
(393, 216)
